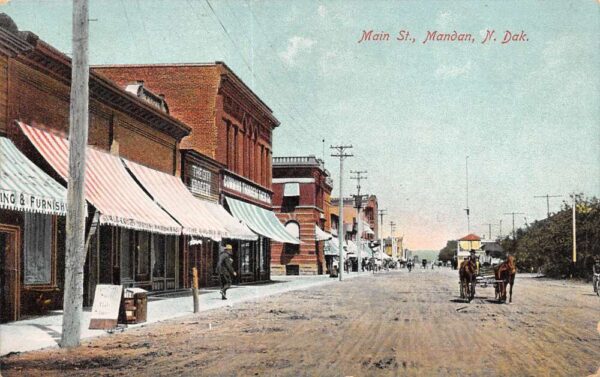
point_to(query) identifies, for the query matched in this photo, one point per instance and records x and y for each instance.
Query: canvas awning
(291, 189)
(367, 229)
(197, 217)
(321, 235)
(260, 221)
(108, 186)
(331, 247)
(25, 187)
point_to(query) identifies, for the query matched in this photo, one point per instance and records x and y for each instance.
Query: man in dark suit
(225, 269)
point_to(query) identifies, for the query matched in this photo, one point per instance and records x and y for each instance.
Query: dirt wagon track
(390, 324)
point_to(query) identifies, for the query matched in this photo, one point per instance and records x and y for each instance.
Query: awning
(321, 235)
(331, 247)
(25, 187)
(291, 189)
(367, 229)
(198, 217)
(108, 186)
(261, 221)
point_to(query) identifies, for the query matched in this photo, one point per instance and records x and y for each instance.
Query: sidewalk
(43, 332)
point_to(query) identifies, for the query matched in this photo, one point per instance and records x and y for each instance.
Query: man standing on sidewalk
(225, 269)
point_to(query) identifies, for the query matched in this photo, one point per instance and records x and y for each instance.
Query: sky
(526, 113)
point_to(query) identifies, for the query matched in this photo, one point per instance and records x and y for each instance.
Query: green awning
(261, 221)
(25, 187)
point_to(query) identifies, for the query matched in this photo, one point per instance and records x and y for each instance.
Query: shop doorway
(9, 279)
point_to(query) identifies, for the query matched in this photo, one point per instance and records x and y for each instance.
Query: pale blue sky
(527, 114)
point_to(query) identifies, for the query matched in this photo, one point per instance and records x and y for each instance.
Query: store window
(245, 255)
(126, 253)
(171, 256)
(37, 249)
(158, 256)
(143, 254)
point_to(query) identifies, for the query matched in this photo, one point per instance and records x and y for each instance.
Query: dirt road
(397, 323)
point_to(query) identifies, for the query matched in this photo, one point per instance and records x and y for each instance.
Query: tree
(447, 253)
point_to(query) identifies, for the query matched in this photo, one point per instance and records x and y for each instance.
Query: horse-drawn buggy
(500, 277)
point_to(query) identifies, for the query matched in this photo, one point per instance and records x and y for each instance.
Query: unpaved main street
(387, 324)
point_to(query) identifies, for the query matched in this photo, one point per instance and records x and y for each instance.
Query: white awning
(291, 189)
(260, 221)
(25, 187)
(321, 235)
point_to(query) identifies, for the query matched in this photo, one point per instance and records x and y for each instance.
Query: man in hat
(225, 269)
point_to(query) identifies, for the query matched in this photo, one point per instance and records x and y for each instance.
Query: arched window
(293, 228)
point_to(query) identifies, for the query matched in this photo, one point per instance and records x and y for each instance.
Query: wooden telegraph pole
(78, 134)
(341, 154)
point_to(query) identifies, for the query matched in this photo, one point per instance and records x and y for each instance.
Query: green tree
(447, 253)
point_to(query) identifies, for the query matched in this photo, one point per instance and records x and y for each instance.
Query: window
(294, 229)
(245, 256)
(171, 256)
(126, 253)
(143, 253)
(158, 256)
(37, 249)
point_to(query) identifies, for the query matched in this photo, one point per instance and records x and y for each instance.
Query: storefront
(31, 204)
(133, 242)
(204, 223)
(252, 258)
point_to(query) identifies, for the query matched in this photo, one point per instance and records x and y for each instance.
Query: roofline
(217, 63)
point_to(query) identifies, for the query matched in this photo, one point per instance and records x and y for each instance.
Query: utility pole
(489, 229)
(392, 229)
(358, 176)
(342, 155)
(78, 135)
(467, 210)
(500, 230)
(574, 234)
(513, 222)
(548, 201)
(382, 212)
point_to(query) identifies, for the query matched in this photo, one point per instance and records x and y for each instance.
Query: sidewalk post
(195, 289)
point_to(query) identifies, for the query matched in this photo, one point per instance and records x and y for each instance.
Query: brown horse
(505, 272)
(467, 273)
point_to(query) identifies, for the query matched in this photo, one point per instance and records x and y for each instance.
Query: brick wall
(37, 98)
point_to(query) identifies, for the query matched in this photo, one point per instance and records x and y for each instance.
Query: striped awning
(321, 235)
(25, 187)
(108, 186)
(332, 247)
(261, 221)
(198, 217)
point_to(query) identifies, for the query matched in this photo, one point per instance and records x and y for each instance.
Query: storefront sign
(31, 203)
(107, 302)
(200, 180)
(246, 189)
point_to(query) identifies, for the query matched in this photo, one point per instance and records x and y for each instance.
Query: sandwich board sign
(106, 307)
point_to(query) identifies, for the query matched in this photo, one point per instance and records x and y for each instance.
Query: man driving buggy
(475, 259)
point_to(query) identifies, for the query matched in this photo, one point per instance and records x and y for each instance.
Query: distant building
(301, 199)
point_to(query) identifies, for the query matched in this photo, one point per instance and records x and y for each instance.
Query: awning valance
(291, 189)
(25, 187)
(108, 186)
(260, 221)
(198, 217)
(321, 235)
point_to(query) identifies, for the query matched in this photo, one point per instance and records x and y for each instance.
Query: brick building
(233, 126)
(301, 190)
(127, 248)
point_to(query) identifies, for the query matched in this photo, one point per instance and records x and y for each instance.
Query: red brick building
(232, 125)
(35, 90)
(301, 190)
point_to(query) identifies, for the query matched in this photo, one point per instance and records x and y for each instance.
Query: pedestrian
(225, 269)
(364, 264)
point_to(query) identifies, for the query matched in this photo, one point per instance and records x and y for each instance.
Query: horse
(506, 272)
(467, 273)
